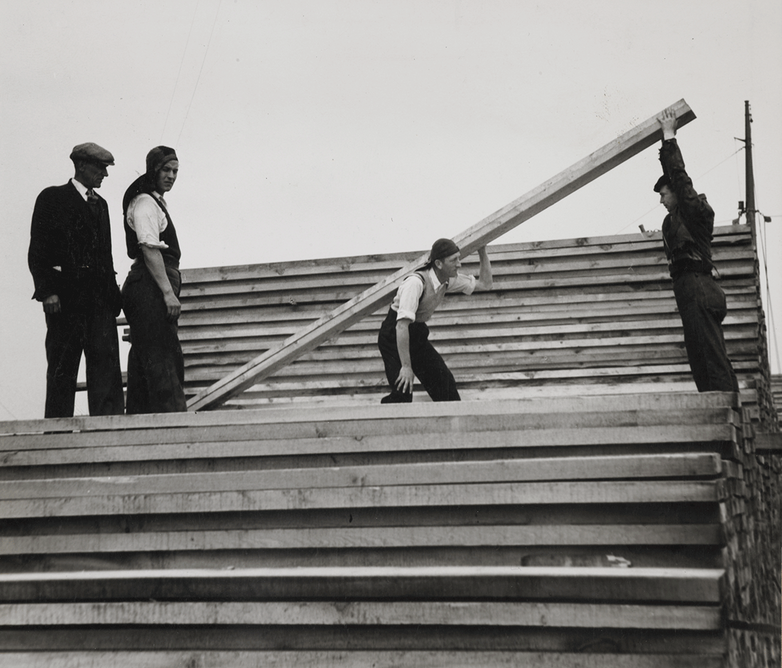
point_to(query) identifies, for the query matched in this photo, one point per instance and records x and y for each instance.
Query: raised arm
(673, 166)
(485, 279)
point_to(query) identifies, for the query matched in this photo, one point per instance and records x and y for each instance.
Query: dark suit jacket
(70, 251)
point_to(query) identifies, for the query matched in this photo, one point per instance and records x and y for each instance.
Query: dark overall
(687, 232)
(156, 369)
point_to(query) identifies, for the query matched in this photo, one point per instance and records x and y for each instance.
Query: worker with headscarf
(151, 291)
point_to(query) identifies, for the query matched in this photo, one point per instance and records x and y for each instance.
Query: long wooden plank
(432, 583)
(354, 659)
(366, 537)
(369, 638)
(492, 227)
(501, 470)
(443, 516)
(366, 613)
(479, 494)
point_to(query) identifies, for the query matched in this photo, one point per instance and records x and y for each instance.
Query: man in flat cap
(404, 335)
(73, 271)
(687, 233)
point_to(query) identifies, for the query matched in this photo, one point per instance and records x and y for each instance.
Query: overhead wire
(762, 249)
(642, 216)
(200, 70)
(179, 73)
(7, 410)
(771, 330)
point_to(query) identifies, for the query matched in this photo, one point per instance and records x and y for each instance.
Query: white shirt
(409, 293)
(147, 220)
(80, 188)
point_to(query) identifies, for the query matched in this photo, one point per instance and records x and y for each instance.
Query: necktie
(91, 196)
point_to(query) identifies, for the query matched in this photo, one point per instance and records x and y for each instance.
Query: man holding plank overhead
(687, 234)
(404, 336)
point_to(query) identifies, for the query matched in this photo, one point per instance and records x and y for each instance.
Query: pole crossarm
(490, 228)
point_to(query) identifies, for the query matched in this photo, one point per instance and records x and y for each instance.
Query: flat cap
(92, 153)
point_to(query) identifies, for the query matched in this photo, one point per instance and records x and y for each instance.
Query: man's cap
(158, 157)
(662, 181)
(90, 152)
(442, 248)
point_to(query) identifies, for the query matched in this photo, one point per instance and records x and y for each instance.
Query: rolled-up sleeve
(144, 218)
(462, 283)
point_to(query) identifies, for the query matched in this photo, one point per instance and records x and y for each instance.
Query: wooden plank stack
(751, 517)
(565, 318)
(482, 233)
(537, 531)
(776, 392)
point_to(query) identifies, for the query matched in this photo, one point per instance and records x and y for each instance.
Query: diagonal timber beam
(560, 186)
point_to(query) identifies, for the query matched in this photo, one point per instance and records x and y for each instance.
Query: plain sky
(321, 128)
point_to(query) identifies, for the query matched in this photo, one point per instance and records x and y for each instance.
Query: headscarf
(441, 248)
(145, 183)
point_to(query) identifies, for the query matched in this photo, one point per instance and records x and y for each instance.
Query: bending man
(404, 336)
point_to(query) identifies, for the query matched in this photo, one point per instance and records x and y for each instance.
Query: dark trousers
(702, 308)
(94, 333)
(156, 368)
(428, 366)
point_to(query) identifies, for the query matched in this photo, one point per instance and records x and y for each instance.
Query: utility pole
(749, 173)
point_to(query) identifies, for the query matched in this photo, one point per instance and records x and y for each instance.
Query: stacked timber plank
(546, 531)
(750, 512)
(776, 393)
(564, 317)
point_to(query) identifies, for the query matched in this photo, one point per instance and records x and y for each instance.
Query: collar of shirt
(435, 281)
(80, 188)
